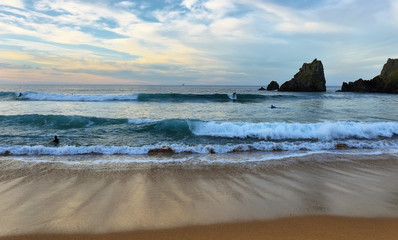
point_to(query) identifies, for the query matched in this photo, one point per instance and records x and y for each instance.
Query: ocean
(190, 124)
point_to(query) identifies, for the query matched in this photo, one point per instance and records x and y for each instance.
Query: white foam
(279, 131)
(142, 121)
(266, 146)
(115, 161)
(78, 97)
(232, 97)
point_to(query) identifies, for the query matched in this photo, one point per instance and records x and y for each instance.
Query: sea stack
(310, 78)
(386, 82)
(273, 86)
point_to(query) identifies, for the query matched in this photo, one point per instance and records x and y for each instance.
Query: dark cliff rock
(273, 86)
(310, 78)
(386, 82)
(361, 85)
(261, 89)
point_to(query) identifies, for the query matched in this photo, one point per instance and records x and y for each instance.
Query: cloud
(229, 28)
(13, 3)
(291, 21)
(54, 76)
(125, 4)
(223, 40)
(189, 3)
(220, 8)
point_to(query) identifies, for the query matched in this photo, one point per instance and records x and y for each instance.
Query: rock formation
(386, 82)
(273, 86)
(261, 89)
(310, 78)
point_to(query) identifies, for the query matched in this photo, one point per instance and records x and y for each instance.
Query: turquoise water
(135, 121)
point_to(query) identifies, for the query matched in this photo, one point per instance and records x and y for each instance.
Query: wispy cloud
(13, 3)
(203, 41)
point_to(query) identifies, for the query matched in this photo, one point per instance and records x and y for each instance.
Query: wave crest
(280, 131)
(35, 96)
(167, 149)
(140, 97)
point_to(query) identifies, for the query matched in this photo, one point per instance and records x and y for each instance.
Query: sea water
(190, 123)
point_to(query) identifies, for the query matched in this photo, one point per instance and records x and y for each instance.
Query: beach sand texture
(305, 228)
(288, 199)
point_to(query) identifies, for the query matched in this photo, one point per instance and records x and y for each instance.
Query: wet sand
(284, 199)
(298, 228)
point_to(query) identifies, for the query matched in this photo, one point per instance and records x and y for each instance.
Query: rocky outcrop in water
(273, 86)
(310, 78)
(386, 82)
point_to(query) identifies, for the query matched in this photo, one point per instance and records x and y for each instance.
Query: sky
(223, 42)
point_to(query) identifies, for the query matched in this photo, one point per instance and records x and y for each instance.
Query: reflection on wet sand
(55, 197)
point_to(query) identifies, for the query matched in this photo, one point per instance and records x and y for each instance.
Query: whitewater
(178, 123)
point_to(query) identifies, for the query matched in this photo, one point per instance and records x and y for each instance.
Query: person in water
(20, 94)
(272, 106)
(56, 140)
(234, 95)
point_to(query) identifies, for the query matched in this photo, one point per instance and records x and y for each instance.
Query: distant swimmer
(20, 94)
(272, 106)
(56, 140)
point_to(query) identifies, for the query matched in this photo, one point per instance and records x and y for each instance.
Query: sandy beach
(309, 227)
(317, 197)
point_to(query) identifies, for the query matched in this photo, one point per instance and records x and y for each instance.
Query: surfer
(234, 96)
(55, 141)
(20, 94)
(272, 106)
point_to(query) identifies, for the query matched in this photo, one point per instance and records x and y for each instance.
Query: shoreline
(66, 201)
(304, 227)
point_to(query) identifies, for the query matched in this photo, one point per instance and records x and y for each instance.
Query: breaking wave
(35, 96)
(278, 131)
(165, 149)
(137, 97)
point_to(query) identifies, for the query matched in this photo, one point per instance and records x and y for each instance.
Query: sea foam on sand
(57, 198)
